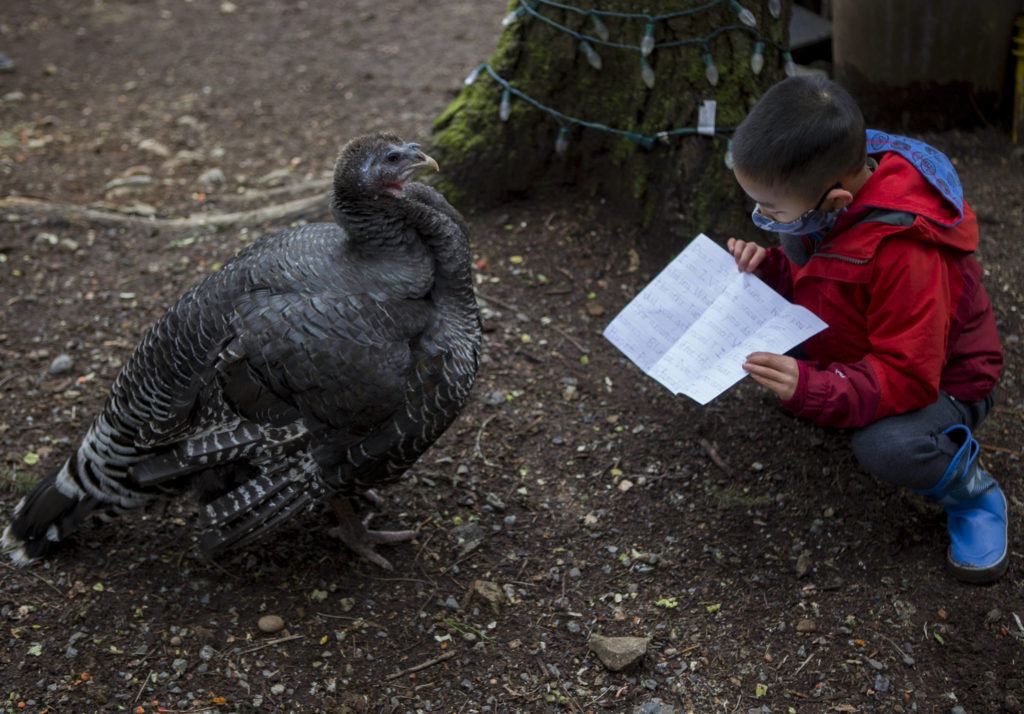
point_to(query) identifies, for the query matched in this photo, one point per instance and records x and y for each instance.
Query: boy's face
(773, 201)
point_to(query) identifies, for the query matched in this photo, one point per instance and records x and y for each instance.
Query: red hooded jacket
(906, 311)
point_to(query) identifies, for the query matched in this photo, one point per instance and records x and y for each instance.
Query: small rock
(277, 177)
(803, 564)
(490, 592)
(617, 653)
(270, 624)
(807, 626)
(152, 146)
(184, 157)
(46, 239)
(211, 177)
(625, 484)
(176, 641)
(654, 706)
(61, 364)
(179, 666)
(127, 184)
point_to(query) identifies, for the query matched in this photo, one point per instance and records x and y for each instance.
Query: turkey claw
(361, 540)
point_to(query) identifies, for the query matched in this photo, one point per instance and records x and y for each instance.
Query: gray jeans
(910, 449)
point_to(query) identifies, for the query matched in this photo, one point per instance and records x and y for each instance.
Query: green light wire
(645, 140)
(529, 8)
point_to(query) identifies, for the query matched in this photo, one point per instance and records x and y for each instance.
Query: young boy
(876, 240)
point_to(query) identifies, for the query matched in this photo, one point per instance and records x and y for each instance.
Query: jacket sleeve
(776, 272)
(908, 321)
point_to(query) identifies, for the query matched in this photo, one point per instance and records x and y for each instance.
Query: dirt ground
(573, 497)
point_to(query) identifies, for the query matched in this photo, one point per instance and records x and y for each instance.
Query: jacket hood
(914, 178)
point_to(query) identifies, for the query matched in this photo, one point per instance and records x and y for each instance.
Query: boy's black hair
(803, 134)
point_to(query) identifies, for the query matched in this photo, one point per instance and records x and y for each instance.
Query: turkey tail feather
(240, 516)
(45, 517)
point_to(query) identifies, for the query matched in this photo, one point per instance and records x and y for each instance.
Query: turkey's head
(377, 166)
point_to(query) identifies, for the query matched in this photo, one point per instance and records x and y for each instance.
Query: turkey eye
(393, 157)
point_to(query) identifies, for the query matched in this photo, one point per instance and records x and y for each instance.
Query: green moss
(483, 159)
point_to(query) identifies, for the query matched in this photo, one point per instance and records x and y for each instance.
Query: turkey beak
(421, 160)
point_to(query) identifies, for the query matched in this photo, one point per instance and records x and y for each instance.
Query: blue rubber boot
(975, 514)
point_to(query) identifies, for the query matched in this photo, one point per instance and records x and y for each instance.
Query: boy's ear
(840, 197)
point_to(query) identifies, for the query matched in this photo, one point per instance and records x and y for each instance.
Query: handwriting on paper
(692, 327)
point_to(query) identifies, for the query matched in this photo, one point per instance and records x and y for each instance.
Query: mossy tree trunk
(681, 183)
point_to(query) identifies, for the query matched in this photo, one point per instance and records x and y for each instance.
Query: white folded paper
(693, 326)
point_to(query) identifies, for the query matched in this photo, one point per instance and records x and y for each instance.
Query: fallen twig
(270, 643)
(421, 665)
(479, 437)
(713, 455)
(1002, 450)
(804, 664)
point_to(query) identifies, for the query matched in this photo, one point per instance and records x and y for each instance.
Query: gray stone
(61, 364)
(211, 177)
(654, 706)
(617, 653)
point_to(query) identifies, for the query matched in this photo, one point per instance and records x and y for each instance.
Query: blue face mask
(814, 221)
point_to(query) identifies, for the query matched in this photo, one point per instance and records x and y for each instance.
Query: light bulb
(505, 108)
(647, 72)
(592, 57)
(647, 44)
(775, 7)
(757, 59)
(746, 16)
(511, 17)
(599, 27)
(728, 157)
(562, 144)
(789, 65)
(472, 76)
(710, 70)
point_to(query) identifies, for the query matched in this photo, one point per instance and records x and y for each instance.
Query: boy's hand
(748, 255)
(777, 372)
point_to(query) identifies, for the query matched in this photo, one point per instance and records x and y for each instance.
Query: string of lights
(601, 37)
(566, 122)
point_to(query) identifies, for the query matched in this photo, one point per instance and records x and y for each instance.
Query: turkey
(318, 363)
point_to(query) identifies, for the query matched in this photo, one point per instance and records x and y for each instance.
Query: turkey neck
(397, 228)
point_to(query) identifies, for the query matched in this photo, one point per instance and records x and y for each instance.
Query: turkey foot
(354, 533)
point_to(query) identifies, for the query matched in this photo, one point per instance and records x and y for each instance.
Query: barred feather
(319, 361)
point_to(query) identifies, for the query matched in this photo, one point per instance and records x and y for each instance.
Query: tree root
(282, 212)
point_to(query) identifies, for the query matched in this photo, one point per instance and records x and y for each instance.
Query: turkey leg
(354, 533)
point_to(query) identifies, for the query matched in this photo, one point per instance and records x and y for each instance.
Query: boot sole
(979, 576)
